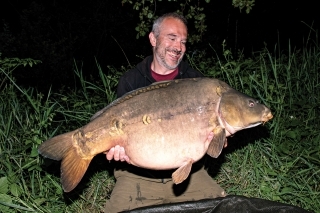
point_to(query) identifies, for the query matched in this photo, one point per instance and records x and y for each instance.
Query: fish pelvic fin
(217, 142)
(182, 172)
(73, 168)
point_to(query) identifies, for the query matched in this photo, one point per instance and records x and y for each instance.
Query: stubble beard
(162, 60)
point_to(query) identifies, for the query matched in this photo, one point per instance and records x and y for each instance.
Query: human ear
(153, 40)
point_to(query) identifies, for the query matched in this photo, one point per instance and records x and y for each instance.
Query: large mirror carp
(167, 125)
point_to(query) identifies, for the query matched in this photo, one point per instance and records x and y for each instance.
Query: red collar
(159, 77)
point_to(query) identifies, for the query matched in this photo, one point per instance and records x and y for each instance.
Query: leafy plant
(8, 65)
(193, 11)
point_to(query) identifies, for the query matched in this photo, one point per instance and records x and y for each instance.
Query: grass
(283, 165)
(279, 161)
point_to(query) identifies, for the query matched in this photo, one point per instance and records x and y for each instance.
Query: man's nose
(178, 45)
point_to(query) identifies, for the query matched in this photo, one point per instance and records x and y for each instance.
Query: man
(137, 187)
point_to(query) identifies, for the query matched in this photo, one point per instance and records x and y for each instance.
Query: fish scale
(167, 125)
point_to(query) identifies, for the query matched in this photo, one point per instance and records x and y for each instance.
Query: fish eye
(251, 103)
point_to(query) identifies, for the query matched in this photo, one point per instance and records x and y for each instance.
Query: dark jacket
(140, 76)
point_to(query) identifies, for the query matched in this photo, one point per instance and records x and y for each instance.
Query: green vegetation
(193, 10)
(279, 161)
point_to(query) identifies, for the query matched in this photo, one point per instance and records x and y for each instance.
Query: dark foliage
(59, 32)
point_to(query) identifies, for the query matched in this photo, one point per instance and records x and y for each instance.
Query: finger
(110, 154)
(210, 136)
(116, 155)
(122, 154)
(126, 158)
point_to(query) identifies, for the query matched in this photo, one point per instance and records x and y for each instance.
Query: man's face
(170, 46)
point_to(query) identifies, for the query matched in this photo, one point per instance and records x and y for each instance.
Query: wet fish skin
(163, 126)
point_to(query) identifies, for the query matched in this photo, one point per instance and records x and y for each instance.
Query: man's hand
(117, 153)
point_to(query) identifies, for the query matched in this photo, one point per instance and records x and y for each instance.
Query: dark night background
(58, 32)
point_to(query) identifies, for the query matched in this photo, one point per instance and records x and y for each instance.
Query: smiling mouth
(174, 57)
(175, 54)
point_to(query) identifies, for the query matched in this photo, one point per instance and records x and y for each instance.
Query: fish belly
(168, 144)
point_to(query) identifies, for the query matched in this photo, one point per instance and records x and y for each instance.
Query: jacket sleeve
(135, 78)
(128, 82)
(123, 87)
(196, 73)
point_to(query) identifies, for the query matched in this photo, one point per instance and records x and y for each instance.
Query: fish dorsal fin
(182, 172)
(129, 95)
(217, 142)
(153, 86)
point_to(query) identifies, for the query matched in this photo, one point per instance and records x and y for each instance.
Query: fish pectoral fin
(217, 142)
(182, 172)
(73, 168)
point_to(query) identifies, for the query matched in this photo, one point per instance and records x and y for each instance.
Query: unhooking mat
(229, 204)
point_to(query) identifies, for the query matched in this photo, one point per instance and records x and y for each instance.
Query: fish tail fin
(57, 147)
(73, 166)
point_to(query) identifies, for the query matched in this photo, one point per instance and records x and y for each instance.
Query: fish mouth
(230, 130)
(266, 117)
